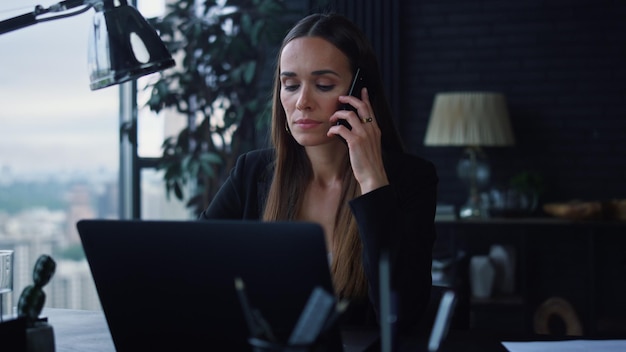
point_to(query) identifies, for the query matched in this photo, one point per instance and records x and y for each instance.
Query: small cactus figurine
(33, 298)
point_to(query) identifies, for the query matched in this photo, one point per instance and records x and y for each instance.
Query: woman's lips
(307, 123)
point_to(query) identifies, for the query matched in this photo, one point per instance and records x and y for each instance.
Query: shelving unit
(582, 262)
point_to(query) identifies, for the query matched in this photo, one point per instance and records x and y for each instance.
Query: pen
(263, 325)
(255, 330)
(340, 308)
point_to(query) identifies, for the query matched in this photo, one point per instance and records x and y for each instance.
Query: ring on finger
(369, 119)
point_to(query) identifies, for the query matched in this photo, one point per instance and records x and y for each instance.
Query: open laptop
(169, 285)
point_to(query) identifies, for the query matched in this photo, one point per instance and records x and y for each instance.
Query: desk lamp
(471, 120)
(122, 45)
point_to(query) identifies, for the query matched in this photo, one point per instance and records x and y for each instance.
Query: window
(62, 158)
(59, 154)
(152, 130)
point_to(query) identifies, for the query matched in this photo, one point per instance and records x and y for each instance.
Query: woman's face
(313, 74)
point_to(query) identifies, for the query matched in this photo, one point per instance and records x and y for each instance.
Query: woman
(362, 188)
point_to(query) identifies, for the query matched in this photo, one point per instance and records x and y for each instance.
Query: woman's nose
(303, 102)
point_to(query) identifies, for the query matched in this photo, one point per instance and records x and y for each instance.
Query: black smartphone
(358, 82)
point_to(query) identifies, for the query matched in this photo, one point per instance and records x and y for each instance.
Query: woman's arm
(400, 217)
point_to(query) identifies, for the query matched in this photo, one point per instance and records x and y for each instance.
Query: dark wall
(562, 67)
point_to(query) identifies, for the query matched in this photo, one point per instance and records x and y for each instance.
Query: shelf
(579, 261)
(498, 300)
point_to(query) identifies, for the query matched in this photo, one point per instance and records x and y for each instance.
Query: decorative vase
(503, 261)
(511, 203)
(482, 275)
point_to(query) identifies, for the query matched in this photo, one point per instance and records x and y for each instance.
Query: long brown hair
(293, 171)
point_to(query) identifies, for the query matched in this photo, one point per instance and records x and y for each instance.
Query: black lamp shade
(123, 46)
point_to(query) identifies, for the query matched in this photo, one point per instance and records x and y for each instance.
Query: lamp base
(472, 169)
(473, 209)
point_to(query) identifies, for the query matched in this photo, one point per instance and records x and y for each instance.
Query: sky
(50, 120)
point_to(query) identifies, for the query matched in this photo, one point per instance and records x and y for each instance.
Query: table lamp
(122, 45)
(471, 120)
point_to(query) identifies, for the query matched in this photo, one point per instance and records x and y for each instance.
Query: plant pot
(40, 338)
(16, 335)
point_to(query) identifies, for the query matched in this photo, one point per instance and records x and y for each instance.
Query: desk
(81, 330)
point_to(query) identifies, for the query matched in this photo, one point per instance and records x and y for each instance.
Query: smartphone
(357, 85)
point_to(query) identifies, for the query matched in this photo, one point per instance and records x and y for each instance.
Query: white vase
(503, 260)
(482, 275)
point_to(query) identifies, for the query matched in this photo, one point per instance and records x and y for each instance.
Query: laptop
(170, 285)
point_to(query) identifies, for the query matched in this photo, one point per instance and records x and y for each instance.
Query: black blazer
(400, 216)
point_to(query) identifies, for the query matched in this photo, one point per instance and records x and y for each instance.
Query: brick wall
(562, 67)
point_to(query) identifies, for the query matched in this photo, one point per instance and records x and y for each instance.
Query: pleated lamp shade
(469, 119)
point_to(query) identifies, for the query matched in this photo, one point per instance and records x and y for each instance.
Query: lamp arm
(29, 19)
(21, 21)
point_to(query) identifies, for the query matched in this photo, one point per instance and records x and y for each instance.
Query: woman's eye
(290, 87)
(325, 88)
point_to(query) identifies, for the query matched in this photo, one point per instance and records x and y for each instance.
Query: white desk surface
(568, 345)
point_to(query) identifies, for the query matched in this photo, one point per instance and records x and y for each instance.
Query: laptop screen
(169, 285)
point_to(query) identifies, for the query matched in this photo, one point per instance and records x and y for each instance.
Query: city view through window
(59, 154)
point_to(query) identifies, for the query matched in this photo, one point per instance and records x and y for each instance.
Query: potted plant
(222, 85)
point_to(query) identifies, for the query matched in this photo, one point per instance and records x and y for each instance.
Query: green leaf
(178, 192)
(255, 33)
(207, 169)
(250, 70)
(246, 23)
(210, 158)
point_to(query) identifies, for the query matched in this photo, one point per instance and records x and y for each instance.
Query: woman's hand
(364, 141)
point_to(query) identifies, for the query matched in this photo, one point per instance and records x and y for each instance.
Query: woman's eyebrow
(324, 72)
(314, 73)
